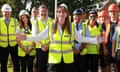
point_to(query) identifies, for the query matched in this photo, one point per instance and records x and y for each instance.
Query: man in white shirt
(41, 46)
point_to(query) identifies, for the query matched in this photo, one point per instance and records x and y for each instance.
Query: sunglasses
(92, 17)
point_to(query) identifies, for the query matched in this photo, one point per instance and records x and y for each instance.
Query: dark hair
(21, 23)
(42, 6)
(66, 24)
(34, 8)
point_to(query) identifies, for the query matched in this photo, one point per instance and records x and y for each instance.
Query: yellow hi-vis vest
(118, 39)
(61, 47)
(41, 28)
(7, 33)
(94, 31)
(26, 44)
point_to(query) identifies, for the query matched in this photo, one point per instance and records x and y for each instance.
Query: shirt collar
(5, 18)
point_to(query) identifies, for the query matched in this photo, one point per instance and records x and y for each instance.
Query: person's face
(43, 12)
(113, 14)
(101, 19)
(76, 19)
(24, 18)
(92, 19)
(6, 14)
(83, 15)
(61, 15)
(34, 13)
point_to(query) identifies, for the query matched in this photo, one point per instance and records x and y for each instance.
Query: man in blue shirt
(80, 60)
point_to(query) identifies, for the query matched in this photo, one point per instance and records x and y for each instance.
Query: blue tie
(77, 27)
(7, 21)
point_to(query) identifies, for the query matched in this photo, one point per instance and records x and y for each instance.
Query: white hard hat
(6, 7)
(64, 5)
(22, 12)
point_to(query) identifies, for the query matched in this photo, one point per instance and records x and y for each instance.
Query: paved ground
(10, 69)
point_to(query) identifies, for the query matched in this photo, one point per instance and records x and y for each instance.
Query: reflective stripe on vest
(59, 51)
(59, 42)
(26, 46)
(7, 33)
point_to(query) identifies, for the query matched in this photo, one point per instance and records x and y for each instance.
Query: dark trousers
(4, 53)
(61, 67)
(118, 59)
(102, 61)
(92, 62)
(25, 62)
(42, 60)
(80, 63)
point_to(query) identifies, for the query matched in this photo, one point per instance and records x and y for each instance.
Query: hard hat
(23, 12)
(6, 7)
(102, 13)
(64, 5)
(93, 12)
(77, 12)
(113, 7)
(83, 9)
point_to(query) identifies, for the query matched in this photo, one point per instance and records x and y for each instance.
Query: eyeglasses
(92, 17)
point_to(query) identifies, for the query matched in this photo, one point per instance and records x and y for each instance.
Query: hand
(20, 36)
(44, 47)
(83, 45)
(105, 52)
(38, 43)
(76, 51)
(27, 51)
(99, 39)
(113, 54)
(105, 41)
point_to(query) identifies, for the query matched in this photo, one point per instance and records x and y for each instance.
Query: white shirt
(44, 34)
(34, 22)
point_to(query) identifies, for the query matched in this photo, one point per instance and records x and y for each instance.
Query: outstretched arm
(91, 40)
(41, 36)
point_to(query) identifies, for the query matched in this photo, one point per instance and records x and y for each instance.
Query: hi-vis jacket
(26, 45)
(61, 47)
(7, 33)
